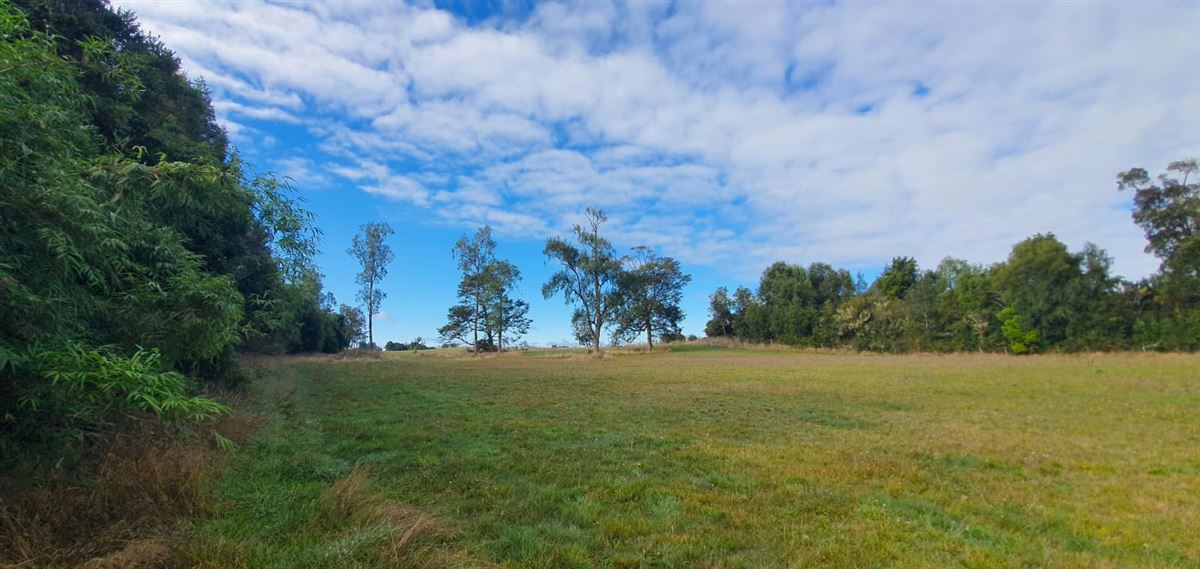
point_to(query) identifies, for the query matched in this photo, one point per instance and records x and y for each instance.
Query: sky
(726, 135)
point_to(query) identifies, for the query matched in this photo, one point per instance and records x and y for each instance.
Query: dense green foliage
(1042, 298)
(135, 253)
(794, 305)
(651, 291)
(415, 345)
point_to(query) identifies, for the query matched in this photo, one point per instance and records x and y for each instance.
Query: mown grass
(718, 458)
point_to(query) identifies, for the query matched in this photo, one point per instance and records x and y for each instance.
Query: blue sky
(727, 135)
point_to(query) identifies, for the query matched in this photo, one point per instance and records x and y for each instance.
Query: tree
(1167, 304)
(794, 305)
(589, 278)
(720, 312)
(311, 317)
(459, 327)
(925, 301)
(872, 321)
(1034, 282)
(475, 256)
(1021, 339)
(486, 296)
(152, 104)
(352, 324)
(832, 287)
(898, 277)
(786, 296)
(1067, 299)
(134, 250)
(1103, 314)
(373, 255)
(749, 315)
(970, 303)
(651, 290)
(1169, 213)
(507, 315)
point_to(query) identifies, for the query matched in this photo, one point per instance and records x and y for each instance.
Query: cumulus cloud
(727, 134)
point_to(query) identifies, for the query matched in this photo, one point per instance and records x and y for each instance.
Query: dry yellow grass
(118, 507)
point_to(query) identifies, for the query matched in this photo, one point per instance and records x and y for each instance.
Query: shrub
(82, 390)
(1020, 340)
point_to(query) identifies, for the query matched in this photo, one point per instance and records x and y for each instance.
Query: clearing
(705, 457)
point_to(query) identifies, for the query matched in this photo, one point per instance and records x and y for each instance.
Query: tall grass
(118, 503)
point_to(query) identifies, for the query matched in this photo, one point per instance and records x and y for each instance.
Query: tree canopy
(651, 291)
(487, 303)
(136, 253)
(589, 278)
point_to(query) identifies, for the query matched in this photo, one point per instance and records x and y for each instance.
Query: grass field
(716, 458)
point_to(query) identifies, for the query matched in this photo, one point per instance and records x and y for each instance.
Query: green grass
(718, 458)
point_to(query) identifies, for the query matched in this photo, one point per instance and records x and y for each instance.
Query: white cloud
(302, 172)
(458, 127)
(225, 108)
(399, 188)
(379, 179)
(729, 134)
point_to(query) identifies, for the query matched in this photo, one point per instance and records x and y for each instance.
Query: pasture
(709, 457)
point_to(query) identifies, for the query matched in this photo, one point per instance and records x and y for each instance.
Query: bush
(1168, 332)
(83, 390)
(133, 248)
(1020, 340)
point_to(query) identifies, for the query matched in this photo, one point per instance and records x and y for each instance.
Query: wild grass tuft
(118, 505)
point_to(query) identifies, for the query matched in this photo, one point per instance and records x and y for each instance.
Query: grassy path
(718, 459)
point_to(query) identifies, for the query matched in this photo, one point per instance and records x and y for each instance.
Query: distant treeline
(136, 255)
(1042, 298)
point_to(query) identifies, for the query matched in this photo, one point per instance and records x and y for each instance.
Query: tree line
(137, 255)
(1043, 297)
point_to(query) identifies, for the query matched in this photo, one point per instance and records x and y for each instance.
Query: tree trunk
(649, 335)
(599, 306)
(596, 337)
(370, 317)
